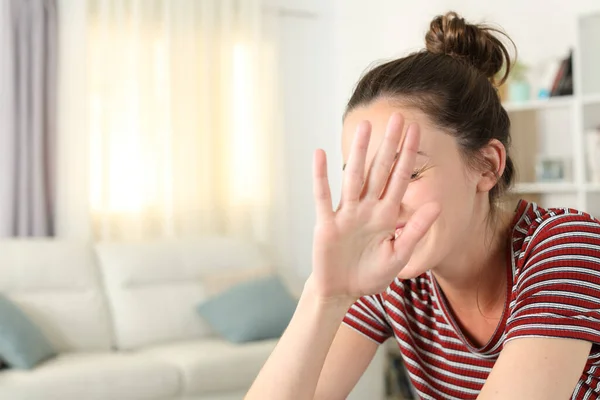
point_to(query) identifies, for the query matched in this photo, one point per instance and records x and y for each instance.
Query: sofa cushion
(255, 310)
(153, 287)
(214, 365)
(57, 284)
(93, 376)
(22, 344)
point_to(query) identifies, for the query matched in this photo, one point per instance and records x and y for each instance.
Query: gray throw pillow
(22, 344)
(254, 310)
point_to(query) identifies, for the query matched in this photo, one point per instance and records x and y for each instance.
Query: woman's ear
(494, 157)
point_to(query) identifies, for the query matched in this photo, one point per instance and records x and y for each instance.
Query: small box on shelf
(550, 169)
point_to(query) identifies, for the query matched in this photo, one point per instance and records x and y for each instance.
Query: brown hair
(453, 81)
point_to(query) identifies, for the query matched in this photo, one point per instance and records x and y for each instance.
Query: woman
(484, 303)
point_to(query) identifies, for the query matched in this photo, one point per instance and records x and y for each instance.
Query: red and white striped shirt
(554, 291)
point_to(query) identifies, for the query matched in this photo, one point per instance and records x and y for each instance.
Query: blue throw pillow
(22, 344)
(254, 310)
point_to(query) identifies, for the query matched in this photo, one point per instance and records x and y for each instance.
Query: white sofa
(123, 318)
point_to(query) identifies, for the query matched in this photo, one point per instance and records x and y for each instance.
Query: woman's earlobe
(487, 181)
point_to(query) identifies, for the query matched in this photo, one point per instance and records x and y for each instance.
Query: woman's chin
(411, 271)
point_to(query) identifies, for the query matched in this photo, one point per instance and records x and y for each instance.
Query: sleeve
(367, 316)
(558, 288)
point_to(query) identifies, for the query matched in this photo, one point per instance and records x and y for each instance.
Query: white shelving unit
(545, 187)
(545, 104)
(554, 128)
(591, 99)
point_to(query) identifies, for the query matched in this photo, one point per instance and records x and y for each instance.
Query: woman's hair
(453, 81)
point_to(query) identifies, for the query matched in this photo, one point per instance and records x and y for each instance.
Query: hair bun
(474, 44)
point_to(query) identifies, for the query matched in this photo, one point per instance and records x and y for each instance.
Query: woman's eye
(413, 176)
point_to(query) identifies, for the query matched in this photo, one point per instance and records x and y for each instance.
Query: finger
(404, 167)
(384, 159)
(354, 173)
(321, 189)
(414, 230)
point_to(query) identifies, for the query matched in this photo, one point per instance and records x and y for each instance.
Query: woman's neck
(474, 278)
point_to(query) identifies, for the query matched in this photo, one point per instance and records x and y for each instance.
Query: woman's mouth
(399, 228)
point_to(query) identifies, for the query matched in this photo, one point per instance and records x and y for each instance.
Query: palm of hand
(355, 252)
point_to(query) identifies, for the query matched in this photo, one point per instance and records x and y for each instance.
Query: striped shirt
(554, 291)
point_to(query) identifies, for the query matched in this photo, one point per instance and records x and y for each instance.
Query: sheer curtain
(177, 105)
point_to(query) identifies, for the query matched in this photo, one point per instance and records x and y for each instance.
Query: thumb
(415, 229)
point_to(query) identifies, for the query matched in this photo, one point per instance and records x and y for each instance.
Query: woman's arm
(537, 368)
(292, 371)
(343, 368)
(301, 350)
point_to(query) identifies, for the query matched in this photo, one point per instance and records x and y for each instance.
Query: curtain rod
(291, 12)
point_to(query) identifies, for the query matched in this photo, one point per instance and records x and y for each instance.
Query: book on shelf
(563, 81)
(548, 74)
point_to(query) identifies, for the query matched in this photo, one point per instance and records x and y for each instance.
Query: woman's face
(440, 176)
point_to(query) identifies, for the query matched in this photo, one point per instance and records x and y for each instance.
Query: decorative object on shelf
(592, 150)
(563, 81)
(552, 169)
(545, 75)
(519, 89)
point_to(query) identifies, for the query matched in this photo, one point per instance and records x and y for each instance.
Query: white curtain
(168, 120)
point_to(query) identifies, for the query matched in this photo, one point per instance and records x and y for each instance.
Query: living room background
(163, 141)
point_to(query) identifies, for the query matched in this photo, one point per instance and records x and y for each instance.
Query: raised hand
(354, 251)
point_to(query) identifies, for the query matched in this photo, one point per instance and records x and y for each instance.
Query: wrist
(342, 302)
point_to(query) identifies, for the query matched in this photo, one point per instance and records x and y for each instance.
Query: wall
(309, 123)
(367, 32)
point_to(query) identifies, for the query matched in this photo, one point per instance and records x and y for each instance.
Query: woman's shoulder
(554, 237)
(532, 222)
(556, 280)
